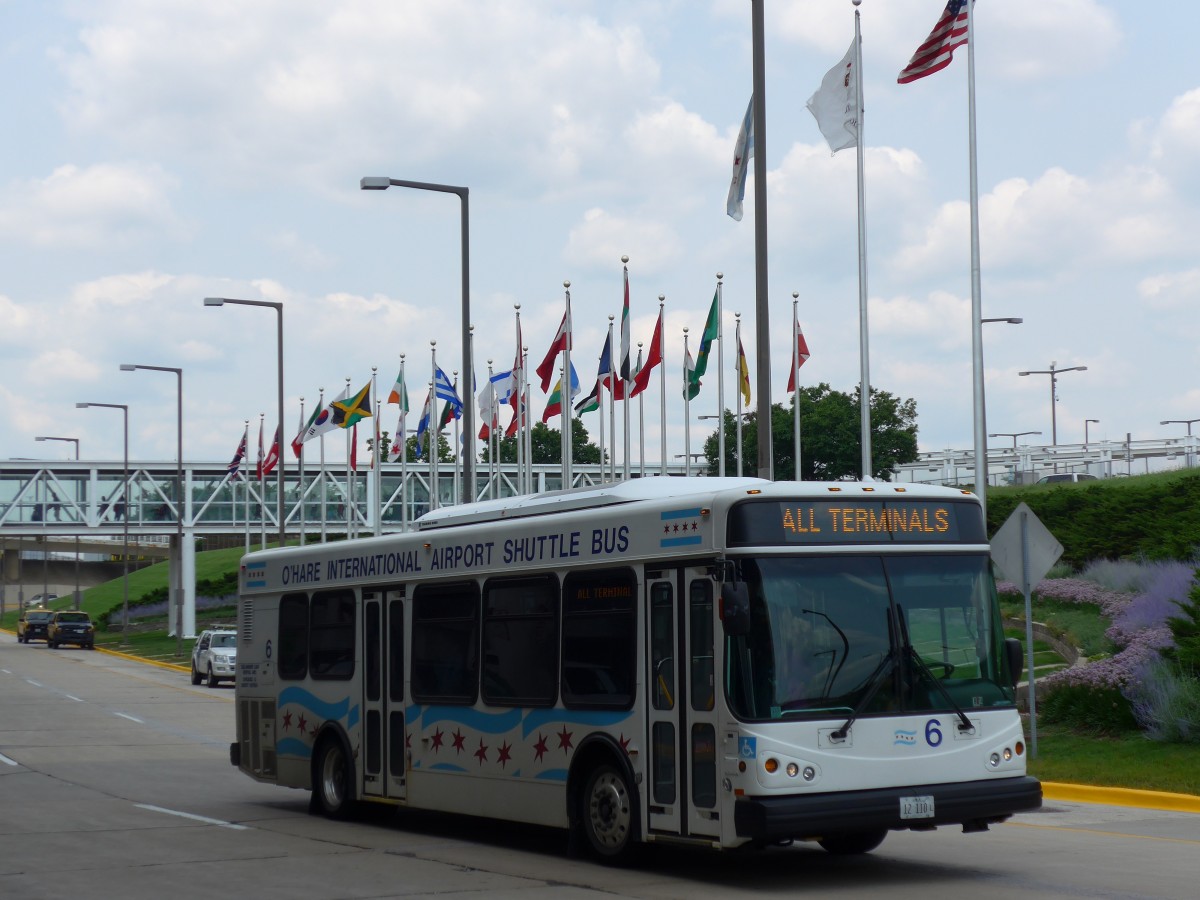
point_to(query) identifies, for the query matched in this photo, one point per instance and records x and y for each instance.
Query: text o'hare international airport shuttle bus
(712, 661)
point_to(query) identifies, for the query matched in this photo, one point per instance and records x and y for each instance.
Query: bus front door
(682, 727)
(384, 762)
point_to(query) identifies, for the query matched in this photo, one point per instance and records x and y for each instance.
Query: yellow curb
(153, 662)
(1087, 793)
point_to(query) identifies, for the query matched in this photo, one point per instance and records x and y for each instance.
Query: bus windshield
(860, 635)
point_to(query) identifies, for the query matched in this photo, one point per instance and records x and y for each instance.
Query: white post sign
(1025, 550)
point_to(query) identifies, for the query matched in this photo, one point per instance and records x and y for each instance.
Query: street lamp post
(379, 183)
(130, 367)
(1188, 423)
(980, 425)
(278, 307)
(124, 408)
(1086, 423)
(1054, 372)
(74, 441)
(1012, 434)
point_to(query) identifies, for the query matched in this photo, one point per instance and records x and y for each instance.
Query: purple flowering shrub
(1140, 630)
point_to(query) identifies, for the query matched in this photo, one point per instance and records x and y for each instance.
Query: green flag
(711, 329)
(353, 409)
(691, 382)
(591, 402)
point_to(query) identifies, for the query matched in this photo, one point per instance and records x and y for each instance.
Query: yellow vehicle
(32, 624)
(70, 627)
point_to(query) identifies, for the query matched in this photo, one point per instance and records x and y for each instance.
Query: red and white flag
(799, 356)
(562, 340)
(653, 358)
(268, 463)
(935, 54)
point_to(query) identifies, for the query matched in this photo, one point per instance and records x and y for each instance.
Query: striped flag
(743, 374)
(626, 375)
(935, 54)
(799, 356)
(562, 340)
(743, 152)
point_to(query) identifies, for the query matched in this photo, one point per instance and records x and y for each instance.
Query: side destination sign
(855, 521)
(461, 556)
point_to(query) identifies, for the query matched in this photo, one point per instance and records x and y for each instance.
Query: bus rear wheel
(609, 815)
(333, 780)
(853, 843)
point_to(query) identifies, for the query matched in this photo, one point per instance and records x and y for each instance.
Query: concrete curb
(1109, 796)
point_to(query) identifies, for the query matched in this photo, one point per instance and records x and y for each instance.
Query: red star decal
(624, 741)
(481, 753)
(695, 526)
(540, 748)
(564, 740)
(505, 754)
(437, 740)
(407, 740)
(287, 720)
(676, 527)
(666, 529)
(459, 737)
(303, 725)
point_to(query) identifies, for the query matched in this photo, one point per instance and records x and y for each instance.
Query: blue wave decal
(476, 720)
(539, 718)
(447, 767)
(552, 775)
(679, 542)
(336, 711)
(679, 514)
(293, 747)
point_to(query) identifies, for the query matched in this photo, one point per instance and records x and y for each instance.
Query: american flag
(937, 51)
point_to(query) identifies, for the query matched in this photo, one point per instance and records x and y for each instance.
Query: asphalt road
(115, 783)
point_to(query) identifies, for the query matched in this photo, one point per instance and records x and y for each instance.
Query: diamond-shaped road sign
(1025, 547)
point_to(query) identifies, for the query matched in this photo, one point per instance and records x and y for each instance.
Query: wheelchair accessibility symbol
(747, 747)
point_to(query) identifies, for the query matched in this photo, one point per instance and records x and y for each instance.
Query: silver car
(214, 658)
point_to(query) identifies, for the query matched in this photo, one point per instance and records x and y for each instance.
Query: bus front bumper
(972, 804)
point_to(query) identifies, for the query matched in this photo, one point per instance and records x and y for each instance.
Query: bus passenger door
(682, 789)
(384, 759)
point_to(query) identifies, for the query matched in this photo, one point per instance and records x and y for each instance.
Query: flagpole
(520, 395)
(687, 410)
(262, 493)
(766, 464)
(737, 331)
(796, 380)
(324, 481)
(662, 388)
(568, 400)
(246, 499)
(300, 493)
(624, 367)
(377, 458)
(720, 383)
(527, 436)
(641, 422)
(349, 504)
(403, 449)
(457, 453)
(863, 341)
(612, 401)
(435, 422)
(981, 462)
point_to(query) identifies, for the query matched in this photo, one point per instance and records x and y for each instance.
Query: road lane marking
(5, 759)
(183, 815)
(73, 697)
(130, 718)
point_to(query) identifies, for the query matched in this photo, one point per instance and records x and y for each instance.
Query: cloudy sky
(158, 152)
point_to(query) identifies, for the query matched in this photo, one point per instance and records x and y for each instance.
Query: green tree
(547, 445)
(830, 449)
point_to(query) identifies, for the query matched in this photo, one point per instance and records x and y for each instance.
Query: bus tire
(608, 815)
(854, 843)
(333, 779)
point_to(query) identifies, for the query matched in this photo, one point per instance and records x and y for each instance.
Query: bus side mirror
(1016, 660)
(735, 609)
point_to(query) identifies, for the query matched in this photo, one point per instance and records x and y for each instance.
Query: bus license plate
(916, 807)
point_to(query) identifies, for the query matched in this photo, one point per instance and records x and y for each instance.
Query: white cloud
(601, 239)
(91, 206)
(1174, 291)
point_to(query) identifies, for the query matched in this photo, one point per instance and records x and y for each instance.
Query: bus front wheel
(853, 843)
(609, 815)
(333, 781)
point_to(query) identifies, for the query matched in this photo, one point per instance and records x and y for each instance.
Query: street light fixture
(379, 183)
(74, 441)
(1054, 372)
(1188, 423)
(980, 424)
(278, 307)
(131, 367)
(124, 408)
(1086, 423)
(1012, 434)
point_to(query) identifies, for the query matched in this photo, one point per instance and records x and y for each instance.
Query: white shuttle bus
(710, 661)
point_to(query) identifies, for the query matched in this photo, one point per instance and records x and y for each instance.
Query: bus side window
(331, 635)
(445, 643)
(599, 639)
(293, 637)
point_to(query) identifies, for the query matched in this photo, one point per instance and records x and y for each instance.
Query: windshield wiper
(964, 723)
(875, 681)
